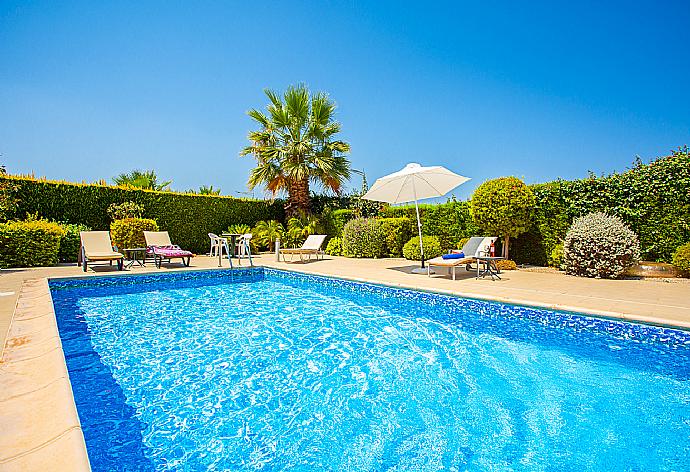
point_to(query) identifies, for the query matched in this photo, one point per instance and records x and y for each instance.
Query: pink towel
(169, 251)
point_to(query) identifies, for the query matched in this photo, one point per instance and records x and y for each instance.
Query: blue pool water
(269, 370)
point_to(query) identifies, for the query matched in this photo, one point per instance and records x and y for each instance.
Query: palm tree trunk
(506, 242)
(298, 198)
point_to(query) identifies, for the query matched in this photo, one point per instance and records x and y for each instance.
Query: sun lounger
(312, 246)
(475, 246)
(96, 246)
(159, 246)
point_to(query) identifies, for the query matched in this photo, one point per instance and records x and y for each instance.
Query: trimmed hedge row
(188, 217)
(449, 221)
(652, 199)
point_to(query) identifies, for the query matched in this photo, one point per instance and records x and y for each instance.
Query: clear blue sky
(537, 90)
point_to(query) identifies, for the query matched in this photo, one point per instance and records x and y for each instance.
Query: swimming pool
(261, 369)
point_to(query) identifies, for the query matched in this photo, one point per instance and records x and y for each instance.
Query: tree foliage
(296, 146)
(208, 190)
(146, 179)
(503, 207)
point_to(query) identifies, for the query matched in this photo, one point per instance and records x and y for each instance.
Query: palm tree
(147, 180)
(267, 232)
(208, 190)
(295, 147)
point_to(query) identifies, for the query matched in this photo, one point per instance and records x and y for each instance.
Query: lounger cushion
(103, 255)
(440, 261)
(453, 255)
(300, 251)
(169, 251)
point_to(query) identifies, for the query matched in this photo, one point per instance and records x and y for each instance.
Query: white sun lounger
(96, 246)
(474, 247)
(312, 246)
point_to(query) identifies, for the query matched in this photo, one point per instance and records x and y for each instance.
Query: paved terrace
(47, 435)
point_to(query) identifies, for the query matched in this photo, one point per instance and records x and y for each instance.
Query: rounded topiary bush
(432, 248)
(128, 233)
(363, 237)
(681, 259)
(335, 247)
(601, 246)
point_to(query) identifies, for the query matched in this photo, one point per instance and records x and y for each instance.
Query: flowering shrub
(681, 259)
(601, 246)
(335, 247)
(364, 237)
(432, 248)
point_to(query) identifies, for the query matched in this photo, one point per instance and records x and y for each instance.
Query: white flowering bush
(599, 245)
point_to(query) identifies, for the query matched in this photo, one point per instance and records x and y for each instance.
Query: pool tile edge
(597, 313)
(41, 429)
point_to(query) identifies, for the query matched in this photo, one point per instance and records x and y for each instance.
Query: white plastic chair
(217, 246)
(244, 246)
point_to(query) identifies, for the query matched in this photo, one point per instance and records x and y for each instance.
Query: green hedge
(70, 244)
(449, 221)
(187, 217)
(333, 221)
(29, 243)
(652, 199)
(397, 232)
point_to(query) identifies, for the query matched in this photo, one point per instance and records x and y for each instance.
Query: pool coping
(34, 370)
(41, 428)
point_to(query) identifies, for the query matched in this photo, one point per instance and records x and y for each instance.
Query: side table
(135, 254)
(490, 267)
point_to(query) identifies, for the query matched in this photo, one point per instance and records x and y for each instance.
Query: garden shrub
(503, 207)
(33, 243)
(364, 237)
(556, 257)
(188, 218)
(299, 228)
(70, 243)
(681, 259)
(506, 264)
(120, 211)
(397, 232)
(601, 246)
(448, 221)
(265, 233)
(432, 248)
(239, 229)
(335, 246)
(129, 232)
(334, 221)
